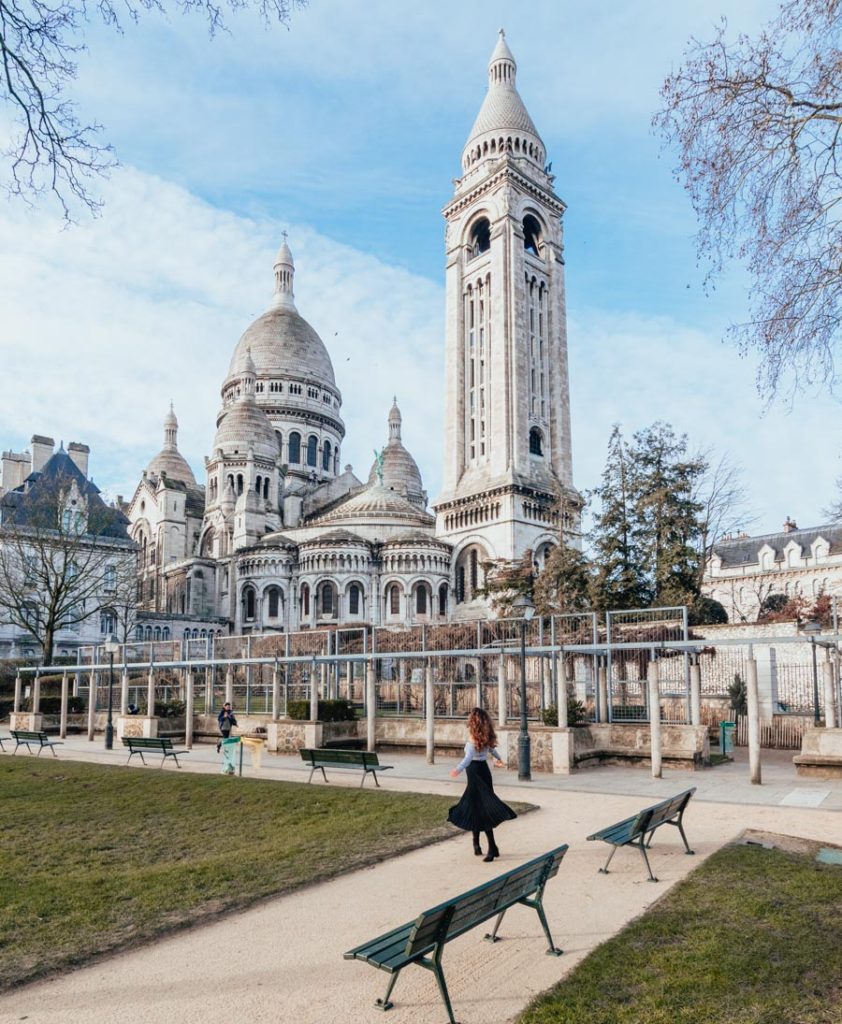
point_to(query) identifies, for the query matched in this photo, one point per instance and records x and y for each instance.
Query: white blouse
(472, 754)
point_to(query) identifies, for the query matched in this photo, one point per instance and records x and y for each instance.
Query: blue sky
(346, 130)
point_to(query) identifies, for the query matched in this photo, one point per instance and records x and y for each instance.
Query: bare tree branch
(756, 124)
(51, 152)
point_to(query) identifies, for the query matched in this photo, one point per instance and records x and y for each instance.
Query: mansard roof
(39, 493)
(742, 550)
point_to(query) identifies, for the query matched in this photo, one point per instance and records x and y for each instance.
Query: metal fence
(471, 664)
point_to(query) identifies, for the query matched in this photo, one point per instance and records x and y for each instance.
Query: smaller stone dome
(245, 426)
(399, 470)
(169, 461)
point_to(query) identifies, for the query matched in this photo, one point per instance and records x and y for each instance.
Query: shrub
(577, 713)
(738, 694)
(328, 710)
(52, 705)
(170, 708)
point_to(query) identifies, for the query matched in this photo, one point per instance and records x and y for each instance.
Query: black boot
(492, 847)
(477, 847)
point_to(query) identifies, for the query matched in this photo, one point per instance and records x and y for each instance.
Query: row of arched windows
(308, 452)
(522, 147)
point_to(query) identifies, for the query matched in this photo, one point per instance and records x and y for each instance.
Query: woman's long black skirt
(479, 809)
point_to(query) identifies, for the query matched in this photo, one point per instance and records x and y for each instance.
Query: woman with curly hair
(480, 810)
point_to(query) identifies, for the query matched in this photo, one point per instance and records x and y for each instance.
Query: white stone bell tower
(507, 459)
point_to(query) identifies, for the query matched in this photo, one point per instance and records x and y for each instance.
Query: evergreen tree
(618, 580)
(666, 520)
(563, 585)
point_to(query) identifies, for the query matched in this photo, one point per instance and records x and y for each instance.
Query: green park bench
(422, 941)
(29, 738)
(639, 829)
(365, 761)
(153, 745)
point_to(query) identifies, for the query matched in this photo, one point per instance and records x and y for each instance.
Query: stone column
(652, 676)
(370, 706)
(62, 728)
(18, 693)
(150, 693)
(430, 710)
(314, 692)
(324, 682)
(753, 701)
(349, 675)
(229, 684)
(695, 693)
(36, 694)
(501, 691)
(188, 711)
(829, 695)
(561, 690)
(276, 692)
(92, 689)
(124, 689)
(602, 683)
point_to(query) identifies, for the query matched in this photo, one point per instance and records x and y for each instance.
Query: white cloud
(103, 324)
(635, 369)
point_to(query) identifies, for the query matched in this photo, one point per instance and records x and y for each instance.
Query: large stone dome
(283, 344)
(244, 425)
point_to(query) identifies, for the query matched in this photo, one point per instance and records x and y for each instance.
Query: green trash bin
(726, 737)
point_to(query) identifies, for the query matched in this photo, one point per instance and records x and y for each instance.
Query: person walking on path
(480, 810)
(226, 721)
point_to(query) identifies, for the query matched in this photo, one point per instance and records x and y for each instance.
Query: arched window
(327, 600)
(394, 599)
(326, 456)
(531, 235)
(239, 483)
(312, 445)
(354, 599)
(305, 599)
(421, 600)
(480, 240)
(274, 602)
(107, 621)
(443, 600)
(165, 633)
(259, 485)
(460, 584)
(248, 603)
(157, 633)
(474, 563)
(295, 447)
(536, 442)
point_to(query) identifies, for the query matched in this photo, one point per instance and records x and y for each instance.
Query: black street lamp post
(110, 646)
(524, 752)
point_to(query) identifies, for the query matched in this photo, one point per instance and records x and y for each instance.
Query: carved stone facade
(280, 538)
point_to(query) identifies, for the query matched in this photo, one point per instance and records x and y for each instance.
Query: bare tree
(40, 42)
(723, 504)
(756, 123)
(63, 559)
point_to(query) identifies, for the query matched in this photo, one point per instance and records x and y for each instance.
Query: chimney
(42, 450)
(790, 525)
(79, 453)
(15, 470)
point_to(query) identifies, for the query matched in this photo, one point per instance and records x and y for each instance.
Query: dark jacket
(226, 720)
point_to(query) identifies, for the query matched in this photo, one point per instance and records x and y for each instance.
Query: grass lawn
(754, 936)
(95, 858)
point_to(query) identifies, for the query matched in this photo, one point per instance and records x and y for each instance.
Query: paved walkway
(283, 961)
